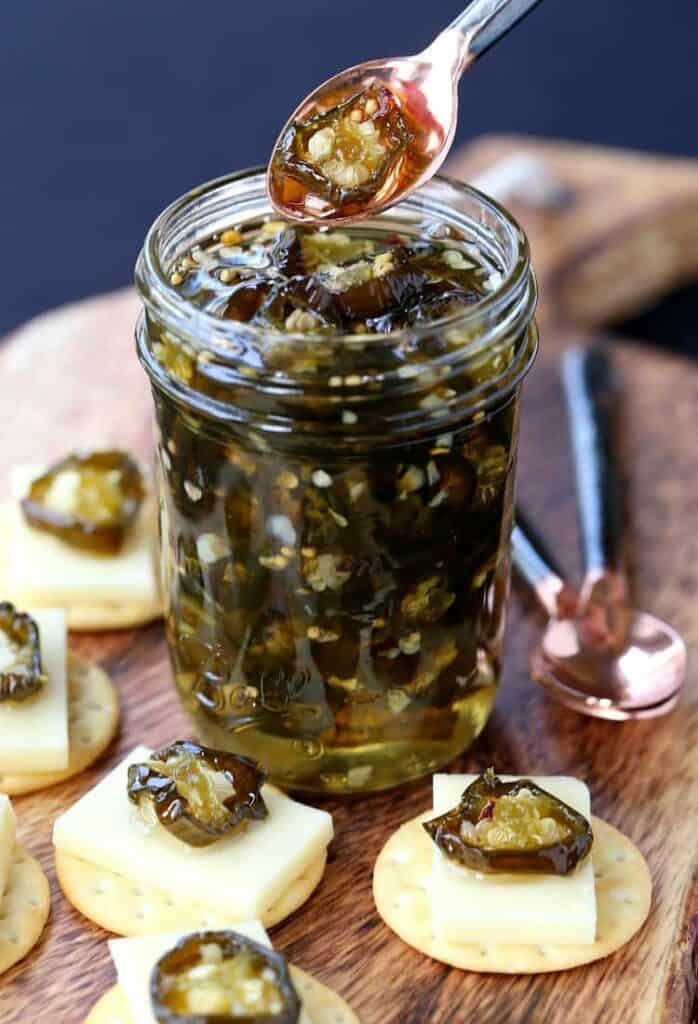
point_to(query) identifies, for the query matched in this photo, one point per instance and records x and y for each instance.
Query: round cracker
(321, 1005)
(126, 908)
(24, 909)
(401, 891)
(93, 617)
(93, 718)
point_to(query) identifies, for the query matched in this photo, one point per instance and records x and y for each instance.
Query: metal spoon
(427, 86)
(641, 659)
(602, 656)
(563, 663)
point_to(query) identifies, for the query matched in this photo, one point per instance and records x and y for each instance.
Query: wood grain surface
(72, 377)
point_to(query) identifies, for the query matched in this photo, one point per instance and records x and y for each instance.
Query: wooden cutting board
(71, 377)
(610, 231)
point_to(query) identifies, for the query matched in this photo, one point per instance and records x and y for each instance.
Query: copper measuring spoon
(598, 655)
(426, 85)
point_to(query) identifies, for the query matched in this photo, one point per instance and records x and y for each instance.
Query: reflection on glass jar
(336, 497)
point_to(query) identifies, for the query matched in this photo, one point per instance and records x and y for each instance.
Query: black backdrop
(110, 108)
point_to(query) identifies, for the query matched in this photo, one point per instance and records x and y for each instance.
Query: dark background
(111, 108)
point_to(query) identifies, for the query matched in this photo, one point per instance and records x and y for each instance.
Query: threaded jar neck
(481, 355)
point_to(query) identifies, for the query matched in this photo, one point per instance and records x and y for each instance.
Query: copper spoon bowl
(598, 654)
(641, 680)
(427, 86)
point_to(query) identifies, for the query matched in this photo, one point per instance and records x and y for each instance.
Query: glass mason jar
(336, 509)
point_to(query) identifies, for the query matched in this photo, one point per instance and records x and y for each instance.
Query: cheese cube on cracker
(135, 959)
(43, 571)
(240, 875)
(34, 733)
(129, 1002)
(472, 907)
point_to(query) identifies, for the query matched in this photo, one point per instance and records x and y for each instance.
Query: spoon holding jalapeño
(374, 133)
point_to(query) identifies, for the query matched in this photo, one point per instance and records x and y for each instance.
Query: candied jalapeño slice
(21, 674)
(87, 500)
(222, 977)
(344, 156)
(197, 794)
(387, 290)
(513, 827)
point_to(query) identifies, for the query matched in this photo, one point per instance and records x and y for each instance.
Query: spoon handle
(591, 393)
(484, 22)
(534, 563)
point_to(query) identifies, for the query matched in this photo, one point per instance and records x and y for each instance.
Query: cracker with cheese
(102, 570)
(136, 873)
(514, 921)
(62, 726)
(130, 1001)
(24, 894)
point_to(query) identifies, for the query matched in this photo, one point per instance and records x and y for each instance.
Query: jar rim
(163, 299)
(488, 326)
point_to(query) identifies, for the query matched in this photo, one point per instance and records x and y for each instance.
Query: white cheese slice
(43, 571)
(8, 834)
(241, 875)
(34, 733)
(135, 959)
(472, 907)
